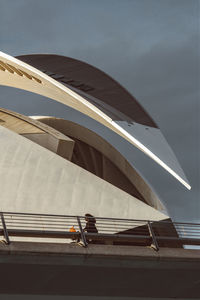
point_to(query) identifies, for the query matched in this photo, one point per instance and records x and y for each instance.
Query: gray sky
(150, 46)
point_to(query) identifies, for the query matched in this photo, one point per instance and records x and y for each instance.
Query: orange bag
(72, 229)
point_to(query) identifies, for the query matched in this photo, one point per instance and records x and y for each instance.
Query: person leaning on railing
(90, 225)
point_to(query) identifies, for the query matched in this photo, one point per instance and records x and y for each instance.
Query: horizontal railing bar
(37, 214)
(128, 227)
(120, 224)
(188, 231)
(42, 223)
(38, 218)
(187, 228)
(103, 225)
(48, 234)
(120, 232)
(67, 221)
(187, 225)
(65, 227)
(39, 226)
(66, 216)
(101, 218)
(188, 235)
(116, 237)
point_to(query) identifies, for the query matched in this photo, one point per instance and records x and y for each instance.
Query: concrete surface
(36, 180)
(94, 141)
(99, 270)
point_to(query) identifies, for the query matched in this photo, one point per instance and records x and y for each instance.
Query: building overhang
(149, 140)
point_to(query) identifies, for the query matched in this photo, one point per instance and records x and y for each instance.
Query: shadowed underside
(103, 91)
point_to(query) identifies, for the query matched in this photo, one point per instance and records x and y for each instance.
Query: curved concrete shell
(37, 132)
(85, 149)
(34, 179)
(16, 73)
(96, 155)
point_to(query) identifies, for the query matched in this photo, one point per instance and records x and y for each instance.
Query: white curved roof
(18, 74)
(34, 179)
(106, 162)
(85, 148)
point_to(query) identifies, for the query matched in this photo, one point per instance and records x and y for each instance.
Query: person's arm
(86, 227)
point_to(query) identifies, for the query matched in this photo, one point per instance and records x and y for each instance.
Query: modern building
(110, 181)
(51, 166)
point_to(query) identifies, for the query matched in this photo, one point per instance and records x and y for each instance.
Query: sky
(151, 47)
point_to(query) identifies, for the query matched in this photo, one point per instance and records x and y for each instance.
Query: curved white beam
(18, 74)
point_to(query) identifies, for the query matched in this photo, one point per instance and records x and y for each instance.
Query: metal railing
(109, 230)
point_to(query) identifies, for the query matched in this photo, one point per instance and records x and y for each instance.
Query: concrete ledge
(99, 270)
(136, 252)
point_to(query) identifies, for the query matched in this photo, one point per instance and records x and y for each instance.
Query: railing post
(151, 232)
(82, 232)
(5, 229)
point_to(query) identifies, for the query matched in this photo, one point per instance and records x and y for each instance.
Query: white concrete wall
(33, 179)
